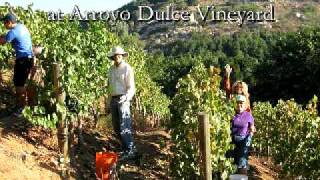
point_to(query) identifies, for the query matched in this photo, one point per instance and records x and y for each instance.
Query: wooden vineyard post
(205, 154)
(1, 79)
(268, 144)
(62, 125)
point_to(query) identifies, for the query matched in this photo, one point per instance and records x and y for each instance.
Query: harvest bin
(106, 165)
(238, 177)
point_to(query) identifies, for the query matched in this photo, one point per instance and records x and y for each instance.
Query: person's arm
(130, 84)
(2, 40)
(227, 82)
(251, 132)
(9, 37)
(248, 103)
(108, 106)
(108, 98)
(252, 128)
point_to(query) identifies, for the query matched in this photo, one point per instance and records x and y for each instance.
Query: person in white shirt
(121, 83)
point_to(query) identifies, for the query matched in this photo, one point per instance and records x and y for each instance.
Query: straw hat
(117, 50)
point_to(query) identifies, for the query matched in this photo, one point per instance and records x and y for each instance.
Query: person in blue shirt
(20, 39)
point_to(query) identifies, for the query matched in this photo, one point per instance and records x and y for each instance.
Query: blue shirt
(20, 39)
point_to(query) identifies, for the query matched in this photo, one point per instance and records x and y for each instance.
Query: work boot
(21, 96)
(128, 155)
(133, 153)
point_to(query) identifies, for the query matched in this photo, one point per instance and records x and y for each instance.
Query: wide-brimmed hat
(117, 50)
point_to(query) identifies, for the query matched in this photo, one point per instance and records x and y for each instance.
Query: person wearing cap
(237, 88)
(20, 38)
(242, 129)
(121, 84)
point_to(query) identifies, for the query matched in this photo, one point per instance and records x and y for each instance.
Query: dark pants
(241, 150)
(121, 122)
(22, 70)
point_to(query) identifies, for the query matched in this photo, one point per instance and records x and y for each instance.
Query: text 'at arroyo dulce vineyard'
(146, 13)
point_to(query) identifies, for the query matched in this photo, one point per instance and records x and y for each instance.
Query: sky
(67, 6)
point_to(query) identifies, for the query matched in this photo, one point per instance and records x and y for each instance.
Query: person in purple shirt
(242, 129)
(20, 39)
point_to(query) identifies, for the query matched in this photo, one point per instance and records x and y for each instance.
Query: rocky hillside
(289, 15)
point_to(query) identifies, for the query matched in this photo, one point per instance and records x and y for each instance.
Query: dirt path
(20, 159)
(260, 169)
(27, 152)
(154, 147)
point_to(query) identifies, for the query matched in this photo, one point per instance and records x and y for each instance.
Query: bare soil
(29, 152)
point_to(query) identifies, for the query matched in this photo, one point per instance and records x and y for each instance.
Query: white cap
(241, 98)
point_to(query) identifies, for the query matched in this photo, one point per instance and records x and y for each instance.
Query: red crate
(104, 163)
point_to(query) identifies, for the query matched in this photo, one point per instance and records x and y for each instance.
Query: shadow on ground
(147, 166)
(152, 146)
(254, 173)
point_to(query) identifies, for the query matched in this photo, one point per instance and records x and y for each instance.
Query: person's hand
(108, 110)
(249, 140)
(37, 50)
(123, 99)
(251, 134)
(228, 70)
(2, 39)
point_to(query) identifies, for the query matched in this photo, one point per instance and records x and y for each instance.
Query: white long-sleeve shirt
(121, 80)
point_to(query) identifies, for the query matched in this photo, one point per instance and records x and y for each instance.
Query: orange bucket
(104, 163)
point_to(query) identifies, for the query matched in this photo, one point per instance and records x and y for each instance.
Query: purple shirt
(241, 122)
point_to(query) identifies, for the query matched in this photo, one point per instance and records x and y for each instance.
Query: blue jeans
(121, 122)
(241, 150)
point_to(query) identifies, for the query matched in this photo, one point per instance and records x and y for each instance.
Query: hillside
(289, 15)
(180, 93)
